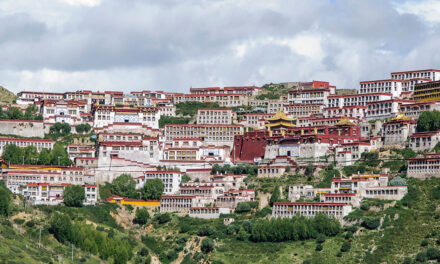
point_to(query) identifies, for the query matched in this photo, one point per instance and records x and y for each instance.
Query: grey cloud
(178, 44)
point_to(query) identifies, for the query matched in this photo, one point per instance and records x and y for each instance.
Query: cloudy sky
(172, 45)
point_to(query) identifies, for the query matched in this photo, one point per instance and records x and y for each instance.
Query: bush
(243, 207)
(18, 221)
(407, 260)
(365, 206)
(318, 247)
(435, 193)
(320, 238)
(205, 230)
(164, 218)
(371, 223)
(143, 252)
(424, 243)
(346, 246)
(397, 181)
(432, 253)
(242, 235)
(207, 245)
(142, 216)
(30, 223)
(421, 257)
(348, 235)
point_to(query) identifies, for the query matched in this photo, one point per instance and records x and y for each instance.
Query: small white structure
(208, 212)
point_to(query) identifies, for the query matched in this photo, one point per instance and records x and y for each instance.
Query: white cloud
(428, 10)
(88, 3)
(172, 45)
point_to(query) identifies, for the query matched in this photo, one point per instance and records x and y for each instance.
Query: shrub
(207, 245)
(365, 206)
(371, 223)
(18, 221)
(421, 257)
(30, 223)
(164, 218)
(242, 235)
(407, 260)
(243, 207)
(345, 247)
(142, 216)
(424, 243)
(432, 253)
(318, 247)
(206, 230)
(348, 235)
(143, 252)
(320, 238)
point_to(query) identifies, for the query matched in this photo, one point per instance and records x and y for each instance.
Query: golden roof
(400, 117)
(280, 115)
(345, 122)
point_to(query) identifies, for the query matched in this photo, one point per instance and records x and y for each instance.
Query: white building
(310, 209)
(215, 116)
(391, 86)
(170, 179)
(105, 115)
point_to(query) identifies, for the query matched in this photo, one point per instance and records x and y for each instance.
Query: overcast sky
(172, 45)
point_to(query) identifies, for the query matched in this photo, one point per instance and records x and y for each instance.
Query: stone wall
(22, 128)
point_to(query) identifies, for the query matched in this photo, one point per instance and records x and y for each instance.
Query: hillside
(6, 96)
(383, 232)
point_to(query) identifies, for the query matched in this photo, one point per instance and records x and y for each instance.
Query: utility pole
(23, 160)
(72, 252)
(59, 160)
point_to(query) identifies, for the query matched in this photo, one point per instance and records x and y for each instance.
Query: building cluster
(310, 123)
(338, 200)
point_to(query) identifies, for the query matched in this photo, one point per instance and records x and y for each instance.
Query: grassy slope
(395, 240)
(6, 96)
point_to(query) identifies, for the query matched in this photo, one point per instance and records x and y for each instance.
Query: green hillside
(6, 96)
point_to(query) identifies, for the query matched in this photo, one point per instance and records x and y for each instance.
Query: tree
(5, 200)
(205, 230)
(44, 157)
(30, 112)
(125, 186)
(185, 178)
(30, 155)
(371, 223)
(81, 128)
(74, 195)
(59, 130)
(142, 216)
(397, 181)
(59, 156)
(276, 196)
(153, 189)
(428, 121)
(164, 218)
(207, 245)
(243, 207)
(310, 169)
(14, 113)
(60, 227)
(13, 154)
